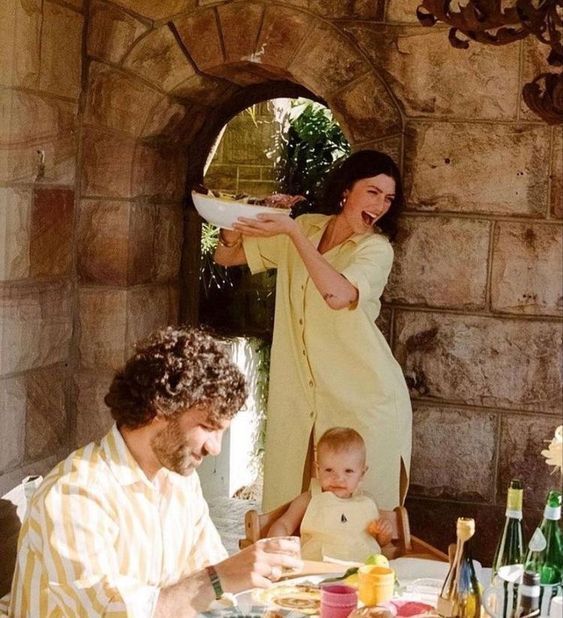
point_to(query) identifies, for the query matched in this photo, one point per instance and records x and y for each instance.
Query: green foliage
(211, 275)
(308, 149)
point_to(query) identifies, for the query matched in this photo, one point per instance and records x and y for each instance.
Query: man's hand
(381, 530)
(266, 224)
(258, 565)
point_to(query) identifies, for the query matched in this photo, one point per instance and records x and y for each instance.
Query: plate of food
(303, 597)
(223, 209)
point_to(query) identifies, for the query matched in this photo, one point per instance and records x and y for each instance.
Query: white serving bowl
(224, 213)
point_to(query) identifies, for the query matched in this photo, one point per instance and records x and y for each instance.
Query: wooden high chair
(256, 527)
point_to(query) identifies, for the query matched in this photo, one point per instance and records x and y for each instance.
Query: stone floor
(228, 516)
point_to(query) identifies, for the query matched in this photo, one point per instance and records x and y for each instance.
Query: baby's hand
(381, 530)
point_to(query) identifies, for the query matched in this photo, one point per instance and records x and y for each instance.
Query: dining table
(418, 581)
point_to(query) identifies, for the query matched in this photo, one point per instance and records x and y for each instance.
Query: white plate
(224, 213)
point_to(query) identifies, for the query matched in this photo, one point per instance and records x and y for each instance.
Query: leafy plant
(307, 150)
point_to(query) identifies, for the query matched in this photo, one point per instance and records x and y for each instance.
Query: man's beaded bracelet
(226, 243)
(215, 581)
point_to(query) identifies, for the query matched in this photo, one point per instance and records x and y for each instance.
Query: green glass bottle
(510, 548)
(545, 550)
(460, 596)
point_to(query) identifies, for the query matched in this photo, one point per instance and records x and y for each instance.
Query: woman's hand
(266, 224)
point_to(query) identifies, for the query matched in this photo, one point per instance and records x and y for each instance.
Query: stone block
(522, 440)
(118, 100)
(556, 175)
(158, 58)
(492, 169)
(430, 77)
(481, 361)
(199, 32)
(20, 163)
(435, 522)
(148, 309)
(365, 110)
(93, 418)
(107, 162)
(283, 31)
(26, 117)
(103, 242)
(155, 243)
(453, 453)
(353, 9)
(159, 171)
(247, 143)
(204, 90)
(15, 222)
(534, 62)
(12, 421)
(20, 42)
(52, 222)
(61, 50)
(102, 315)
(391, 146)
(46, 424)
(124, 28)
(403, 11)
(35, 326)
(240, 26)
(222, 178)
(527, 274)
(424, 272)
(327, 62)
(158, 11)
(166, 119)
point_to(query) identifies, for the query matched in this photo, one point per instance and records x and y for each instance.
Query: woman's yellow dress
(331, 367)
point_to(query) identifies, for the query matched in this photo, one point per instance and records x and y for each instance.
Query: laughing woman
(330, 364)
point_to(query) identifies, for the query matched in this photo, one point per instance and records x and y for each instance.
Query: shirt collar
(322, 222)
(120, 460)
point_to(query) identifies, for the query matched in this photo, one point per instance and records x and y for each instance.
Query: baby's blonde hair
(342, 439)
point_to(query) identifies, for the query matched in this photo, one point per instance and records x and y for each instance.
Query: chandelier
(487, 21)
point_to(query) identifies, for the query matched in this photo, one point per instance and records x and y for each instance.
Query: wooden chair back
(402, 543)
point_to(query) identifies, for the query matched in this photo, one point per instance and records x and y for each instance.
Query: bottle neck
(511, 514)
(553, 513)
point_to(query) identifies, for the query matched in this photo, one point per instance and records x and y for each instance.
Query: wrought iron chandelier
(488, 21)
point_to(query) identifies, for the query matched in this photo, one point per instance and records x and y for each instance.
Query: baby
(336, 520)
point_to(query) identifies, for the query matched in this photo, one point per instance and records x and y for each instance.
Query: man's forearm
(187, 598)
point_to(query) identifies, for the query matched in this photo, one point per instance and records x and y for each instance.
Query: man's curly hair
(173, 370)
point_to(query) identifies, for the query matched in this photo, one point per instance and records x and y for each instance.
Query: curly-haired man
(120, 528)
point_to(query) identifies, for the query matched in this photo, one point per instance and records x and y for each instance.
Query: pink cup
(338, 601)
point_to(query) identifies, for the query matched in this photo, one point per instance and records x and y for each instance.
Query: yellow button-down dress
(331, 367)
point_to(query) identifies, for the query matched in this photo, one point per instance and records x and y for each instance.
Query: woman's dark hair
(360, 165)
(173, 370)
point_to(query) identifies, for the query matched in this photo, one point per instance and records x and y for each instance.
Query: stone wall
(241, 163)
(125, 98)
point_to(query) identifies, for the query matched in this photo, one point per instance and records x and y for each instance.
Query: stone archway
(158, 91)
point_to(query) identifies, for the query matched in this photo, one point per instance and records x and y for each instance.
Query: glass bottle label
(538, 541)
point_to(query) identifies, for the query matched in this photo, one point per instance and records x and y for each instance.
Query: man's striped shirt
(100, 539)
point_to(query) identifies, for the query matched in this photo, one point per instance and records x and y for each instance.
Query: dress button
(304, 353)
(312, 414)
(310, 382)
(301, 321)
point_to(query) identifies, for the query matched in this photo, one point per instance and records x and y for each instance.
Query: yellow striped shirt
(100, 539)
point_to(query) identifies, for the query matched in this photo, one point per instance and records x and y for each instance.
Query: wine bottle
(545, 550)
(528, 596)
(510, 549)
(460, 596)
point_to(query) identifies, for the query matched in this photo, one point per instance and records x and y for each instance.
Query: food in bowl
(223, 209)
